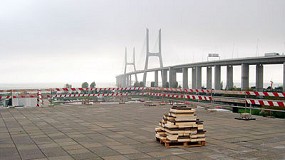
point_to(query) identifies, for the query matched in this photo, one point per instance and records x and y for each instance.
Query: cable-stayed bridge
(169, 73)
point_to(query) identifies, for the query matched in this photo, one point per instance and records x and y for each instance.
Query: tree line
(83, 85)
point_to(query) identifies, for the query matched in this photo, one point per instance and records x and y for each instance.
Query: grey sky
(84, 40)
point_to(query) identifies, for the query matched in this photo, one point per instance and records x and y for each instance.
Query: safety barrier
(96, 95)
(265, 94)
(151, 91)
(207, 91)
(184, 96)
(40, 101)
(99, 89)
(266, 102)
(19, 96)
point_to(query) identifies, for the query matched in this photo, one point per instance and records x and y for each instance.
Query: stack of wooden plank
(180, 127)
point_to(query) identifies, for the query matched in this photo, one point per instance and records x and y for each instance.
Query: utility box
(6, 102)
(24, 102)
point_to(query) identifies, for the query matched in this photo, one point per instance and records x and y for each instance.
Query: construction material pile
(180, 127)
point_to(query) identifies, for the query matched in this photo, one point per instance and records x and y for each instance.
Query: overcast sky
(84, 40)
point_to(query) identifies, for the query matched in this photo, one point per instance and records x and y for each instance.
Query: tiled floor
(127, 132)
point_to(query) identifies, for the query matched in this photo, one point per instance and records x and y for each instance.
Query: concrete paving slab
(126, 131)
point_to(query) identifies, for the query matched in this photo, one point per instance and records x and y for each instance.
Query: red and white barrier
(178, 90)
(20, 96)
(265, 102)
(98, 89)
(95, 95)
(40, 101)
(186, 96)
(166, 95)
(148, 91)
(40, 96)
(76, 89)
(208, 91)
(266, 94)
(24, 90)
(197, 97)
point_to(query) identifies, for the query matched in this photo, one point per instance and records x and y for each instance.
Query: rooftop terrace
(126, 131)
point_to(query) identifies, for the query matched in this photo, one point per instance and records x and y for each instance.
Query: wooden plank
(157, 129)
(192, 136)
(176, 115)
(189, 111)
(181, 131)
(200, 126)
(169, 144)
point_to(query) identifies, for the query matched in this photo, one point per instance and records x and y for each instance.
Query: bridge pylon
(128, 80)
(150, 54)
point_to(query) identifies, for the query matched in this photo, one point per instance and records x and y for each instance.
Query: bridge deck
(126, 131)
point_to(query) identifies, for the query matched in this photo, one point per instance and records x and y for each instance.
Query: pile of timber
(180, 128)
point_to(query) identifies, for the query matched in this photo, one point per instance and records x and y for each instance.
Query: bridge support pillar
(130, 83)
(149, 54)
(164, 77)
(218, 78)
(120, 81)
(127, 81)
(259, 78)
(155, 78)
(172, 77)
(185, 77)
(209, 77)
(123, 80)
(244, 76)
(199, 77)
(230, 83)
(284, 77)
(194, 78)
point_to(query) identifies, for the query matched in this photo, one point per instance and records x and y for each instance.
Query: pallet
(174, 144)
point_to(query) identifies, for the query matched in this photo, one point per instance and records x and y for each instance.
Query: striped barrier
(252, 93)
(40, 96)
(40, 101)
(148, 91)
(96, 95)
(178, 90)
(99, 89)
(265, 102)
(207, 91)
(265, 94)
(19, 96)
(76, 89)
(197, 97)
(24, 90)
(185, 96)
